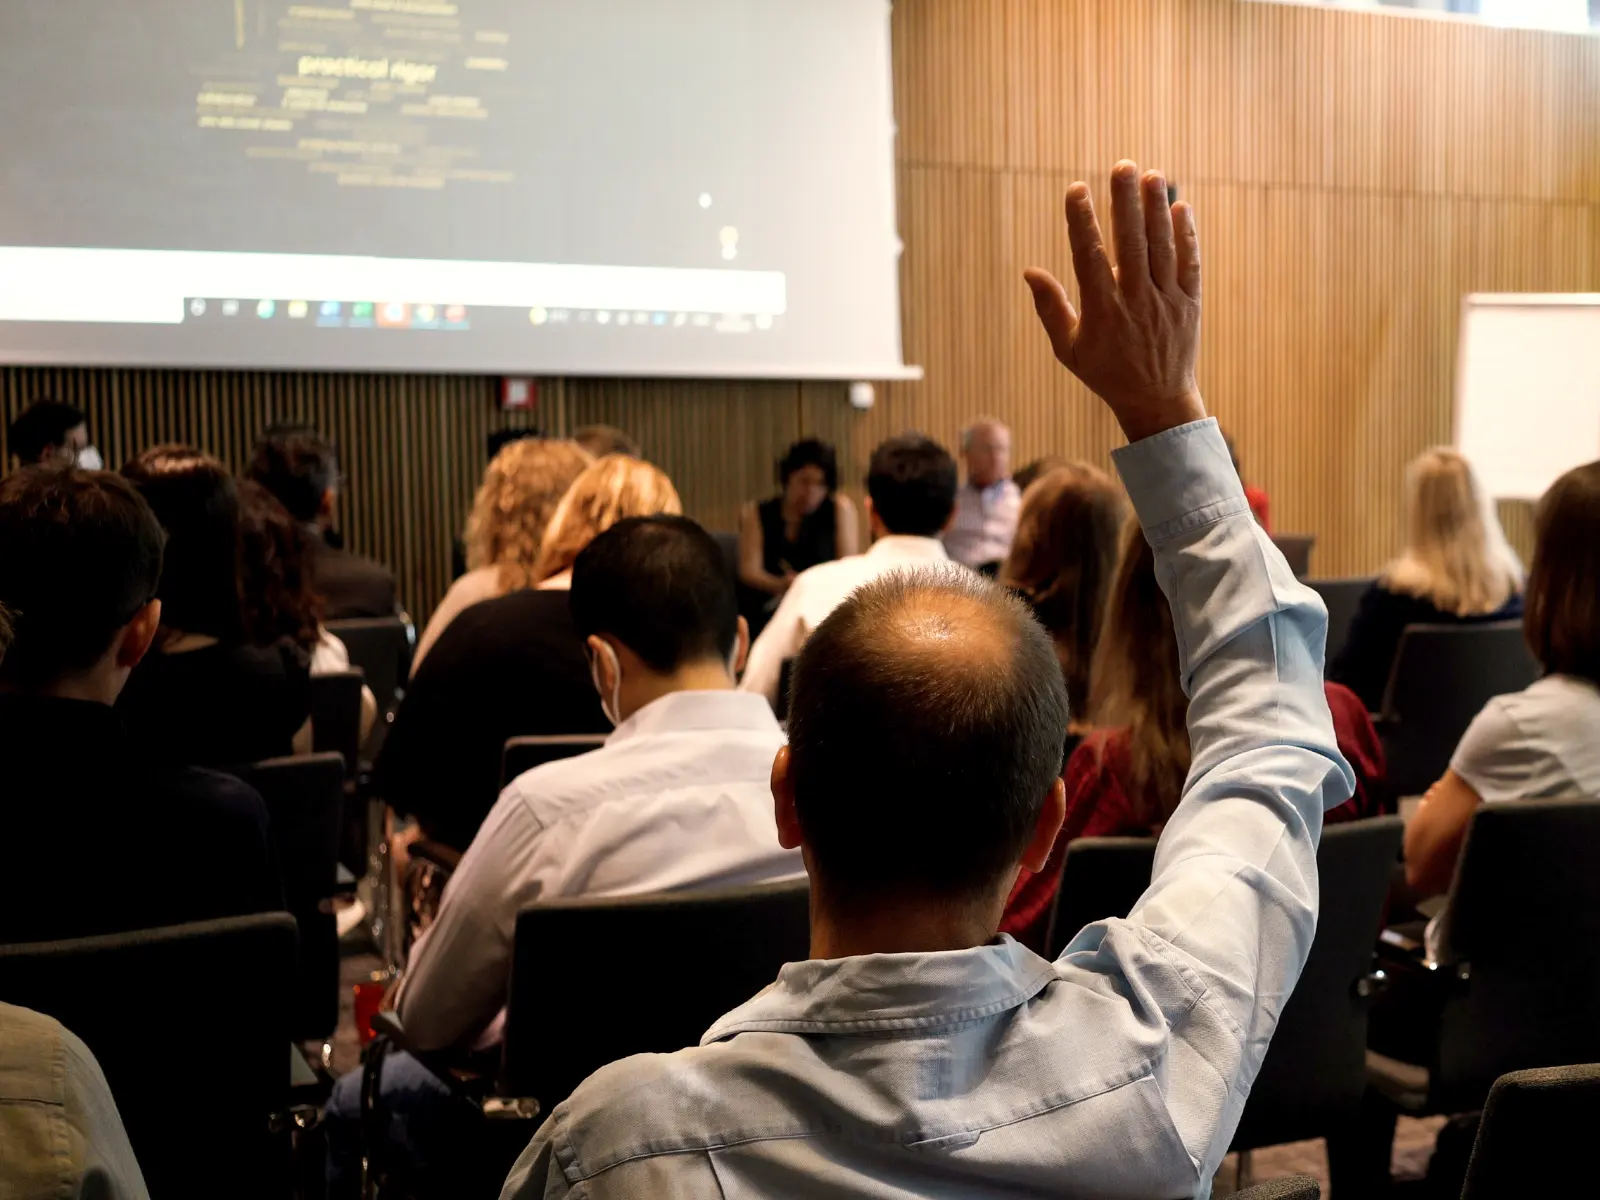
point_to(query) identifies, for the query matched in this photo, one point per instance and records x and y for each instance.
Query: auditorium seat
(1297, 1187)
(1296, 548)
(336, 717)
(522, 754)
(1442, 677)
(1342, 598)
(191, 1024)
(1534, 1136)
(380, 647)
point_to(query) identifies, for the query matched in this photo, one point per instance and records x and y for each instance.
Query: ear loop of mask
(613, 708)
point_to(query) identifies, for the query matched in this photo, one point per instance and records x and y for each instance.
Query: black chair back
(1296, 548)
(1100, 877)
(1342, 597)
(336, 716)
(191, 1026)
(1523, 922)
(740, 937)
(305, 798)
(1534, 1136)
(1442, 677)
(1315, 1070)
(525, 753)
(381, 647)
(1296, 1187)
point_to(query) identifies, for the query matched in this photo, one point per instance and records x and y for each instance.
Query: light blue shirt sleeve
(1233, 898)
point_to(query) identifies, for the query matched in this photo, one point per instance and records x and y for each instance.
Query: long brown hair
(512, 509)
(1134, 684)
(1456, 555)
(1562, 617)
(609, 489)
(1061, 562)
(274, 572)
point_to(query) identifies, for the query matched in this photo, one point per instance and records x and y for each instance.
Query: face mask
(613, 707)
(89, 459)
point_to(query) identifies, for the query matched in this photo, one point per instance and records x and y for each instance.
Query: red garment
(1098, 804)
(1257, 499)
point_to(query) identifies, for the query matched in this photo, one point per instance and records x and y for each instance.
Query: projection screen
(628, 187)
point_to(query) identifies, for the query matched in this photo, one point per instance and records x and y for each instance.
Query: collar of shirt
(885, 992)
(686, 712)
(911, 549)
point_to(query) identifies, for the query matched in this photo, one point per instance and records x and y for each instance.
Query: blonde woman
(520, 491)
(509, 666)
(1456, 567)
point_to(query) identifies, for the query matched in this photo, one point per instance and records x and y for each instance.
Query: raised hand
(1135, 343)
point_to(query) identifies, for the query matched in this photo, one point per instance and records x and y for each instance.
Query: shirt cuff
(1180, 480)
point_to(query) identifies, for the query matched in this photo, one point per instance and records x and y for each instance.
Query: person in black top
(301, 469)
(206, 695)
(807, 523)
(1456, 568)
(509, 667)
(101, 838)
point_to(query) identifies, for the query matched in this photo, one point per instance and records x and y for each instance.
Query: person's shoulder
(209, 794)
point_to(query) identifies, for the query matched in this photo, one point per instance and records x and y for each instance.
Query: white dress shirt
(817, 592)
(679, 797)
(985, 523)
(1118, 1070)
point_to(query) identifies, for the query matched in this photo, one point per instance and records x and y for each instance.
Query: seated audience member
(604, 440)
(1456, 567)
(301, 469)
(1542, 742)
(677, 799)
(50, 433)
(1037, 469)
(807, 523)
(103, 838)
(520, 491)
(911, 490)
(1260, 506)
(987, 504)
(916, 1053)
(275, 586)
(206, 694)
(60, 1131)
(1126, 778)
(509, 667)
(1061, 563)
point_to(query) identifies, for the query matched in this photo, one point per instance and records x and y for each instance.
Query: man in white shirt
(911, 490)
(678, 798)
(987, 505)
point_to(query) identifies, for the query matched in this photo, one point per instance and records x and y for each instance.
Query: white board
(1528, 389)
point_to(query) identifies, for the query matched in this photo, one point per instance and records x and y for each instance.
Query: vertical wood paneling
(1355, 174)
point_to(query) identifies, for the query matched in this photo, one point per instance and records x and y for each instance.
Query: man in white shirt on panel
(989, 502)
(911, 493)
(678, 798)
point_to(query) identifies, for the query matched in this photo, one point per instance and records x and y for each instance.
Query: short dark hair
(926, 725)
(660, 586)
(810, 452)
(1561, 617)
(298, 466)
(604, 440)
(197, 502)
(41, 427)
(912, 482)
(80, 554)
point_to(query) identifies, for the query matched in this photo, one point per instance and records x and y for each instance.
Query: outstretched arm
(1232, 906)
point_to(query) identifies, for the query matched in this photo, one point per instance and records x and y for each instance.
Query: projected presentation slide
(701, 187)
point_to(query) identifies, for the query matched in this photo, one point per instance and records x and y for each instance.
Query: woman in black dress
(807, 523)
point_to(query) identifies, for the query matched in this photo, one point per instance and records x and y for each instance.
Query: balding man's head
(925, 731)
(986, 446)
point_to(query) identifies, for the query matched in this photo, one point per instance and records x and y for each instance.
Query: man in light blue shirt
(916, 1053)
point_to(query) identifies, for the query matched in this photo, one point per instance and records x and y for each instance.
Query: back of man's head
(80, 555)
(925, 732)
(660, 586)
(298, 466)
(41, 429)
(912, 482)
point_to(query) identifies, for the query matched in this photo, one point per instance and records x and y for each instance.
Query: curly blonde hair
(609, 490)
(520, 491)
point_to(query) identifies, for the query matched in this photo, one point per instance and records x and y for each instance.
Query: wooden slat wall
(1354, 173)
